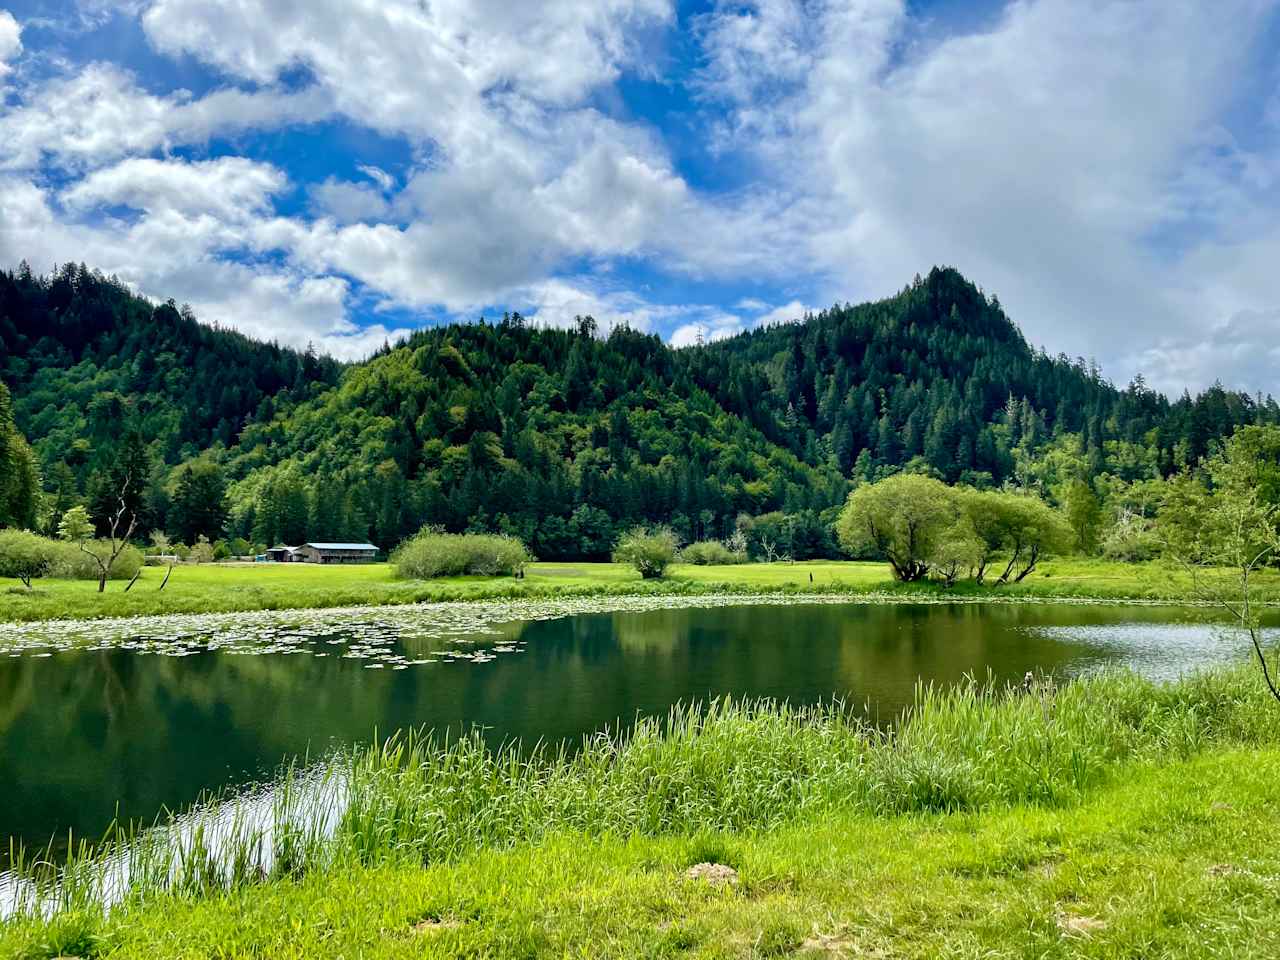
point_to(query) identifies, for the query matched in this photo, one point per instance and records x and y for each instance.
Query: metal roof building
(337, 553)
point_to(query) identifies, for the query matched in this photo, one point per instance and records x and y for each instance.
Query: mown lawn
(231, 587)
(1171, 861)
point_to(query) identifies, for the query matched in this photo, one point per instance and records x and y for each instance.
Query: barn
(282, 554)
(337, 553)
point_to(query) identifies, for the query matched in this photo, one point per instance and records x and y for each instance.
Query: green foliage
(562, 438)
(904, 518)
(710, 553)
(76, 527)
(1131, 539)
(1083, 514)
(19, 475)
(649, 550)
(433, 553)
(922, 526)
(199, 502)
(201, 551)
(86, 560)
(26, 556)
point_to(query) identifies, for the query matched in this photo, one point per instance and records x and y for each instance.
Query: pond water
(129, 727)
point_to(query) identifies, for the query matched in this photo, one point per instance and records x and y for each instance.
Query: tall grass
(728, 765)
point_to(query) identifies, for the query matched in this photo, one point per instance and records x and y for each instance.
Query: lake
(150, 718)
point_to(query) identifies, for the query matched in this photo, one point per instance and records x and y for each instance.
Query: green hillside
(562, 437)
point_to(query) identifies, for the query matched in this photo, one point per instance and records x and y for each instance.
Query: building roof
(342, 546)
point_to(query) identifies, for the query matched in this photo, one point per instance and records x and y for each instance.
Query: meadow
(213, 588)
(1108, 817)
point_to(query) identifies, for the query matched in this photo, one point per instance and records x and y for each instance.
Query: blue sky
(341, 171)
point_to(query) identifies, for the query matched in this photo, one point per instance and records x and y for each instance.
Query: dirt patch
(1222, 870)
(716, 874)
(1076, 925)
(836, 945)
(435, 925)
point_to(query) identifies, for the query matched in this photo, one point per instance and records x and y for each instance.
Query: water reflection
(88, 735)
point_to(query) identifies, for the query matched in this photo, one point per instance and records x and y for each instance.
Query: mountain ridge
(563, 437)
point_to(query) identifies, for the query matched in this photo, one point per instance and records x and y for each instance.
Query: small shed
(337, 553)
(282, 554)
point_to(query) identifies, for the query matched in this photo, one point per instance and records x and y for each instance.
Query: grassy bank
(227, 588)
(1177, 862)
(1107, 817)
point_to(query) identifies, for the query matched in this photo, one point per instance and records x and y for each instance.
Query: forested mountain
(564, 437)
(84, 356)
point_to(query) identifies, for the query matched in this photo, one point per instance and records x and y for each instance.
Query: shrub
(202, 552)
(71, 563)
(435, 554)
(25, 556)
(649, 551)
(710, 552)
(1131, 540)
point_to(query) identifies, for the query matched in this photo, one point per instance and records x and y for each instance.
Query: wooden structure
(282, 554)
(336, 553)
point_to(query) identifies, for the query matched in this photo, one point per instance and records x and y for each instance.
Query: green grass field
(231, 587)
(1176, 863)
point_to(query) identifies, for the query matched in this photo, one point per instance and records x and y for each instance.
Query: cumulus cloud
(1096, 164)
(96, 115)
(560, 302)
(10, 41)
(1046, 156)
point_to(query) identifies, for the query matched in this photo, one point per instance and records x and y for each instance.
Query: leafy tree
(25, 556)
(76, 527)
(1083, 514)
(1036, 530)
(957, 551)
(991, 523)
(202, 551)
(905, 518)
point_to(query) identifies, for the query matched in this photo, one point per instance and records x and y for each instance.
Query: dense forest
(563, 438)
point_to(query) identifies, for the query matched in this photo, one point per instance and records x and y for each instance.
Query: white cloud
(347, 202)
(1093, 163)
(559, 302)
(175, 247)
(379, 176)
(10, 41)
(99, 114)
(231, 189)
(787, 313)
(1047, 157)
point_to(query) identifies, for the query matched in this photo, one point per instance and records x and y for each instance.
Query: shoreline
(497, 611)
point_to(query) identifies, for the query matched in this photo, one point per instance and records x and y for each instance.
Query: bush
(434, 554)
(649, 551)
(25, 556)
(1131, 540)
(706, 553)
(71, 563)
